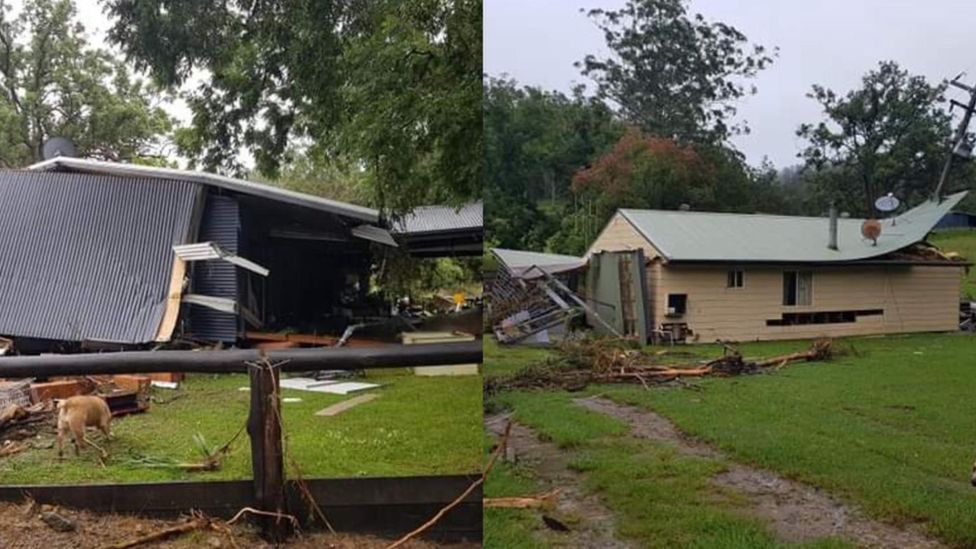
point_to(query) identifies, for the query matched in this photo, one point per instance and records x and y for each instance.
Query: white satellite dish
(58, 146)
(887, 203)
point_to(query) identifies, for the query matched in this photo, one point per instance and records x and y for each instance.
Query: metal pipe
(235, 361)
(832, 237)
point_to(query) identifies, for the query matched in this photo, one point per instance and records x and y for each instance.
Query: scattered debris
(612, 360)
(327, 386)
(165, 384)
(340, 407)
(57, 522)
(555, 524)
(523, 502)
(291, 399)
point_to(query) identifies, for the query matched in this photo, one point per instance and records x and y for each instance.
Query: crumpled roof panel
(533, 264)
(707, 236)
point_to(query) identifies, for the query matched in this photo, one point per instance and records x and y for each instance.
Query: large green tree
(535, 140)
(889, 135)
(393, 85)
(53, 83)
(671, 73)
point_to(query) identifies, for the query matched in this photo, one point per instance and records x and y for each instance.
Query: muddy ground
(590, 521)
(21, 527)
(795, 512)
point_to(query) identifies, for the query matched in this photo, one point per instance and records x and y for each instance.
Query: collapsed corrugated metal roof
(434, 219)
(707, 236)
(238, 185)
(525, 264)
(89, 258)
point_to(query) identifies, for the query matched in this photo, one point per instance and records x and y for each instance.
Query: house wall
(914, 299)
(620, 235)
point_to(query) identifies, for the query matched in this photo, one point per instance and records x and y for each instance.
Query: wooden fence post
(264, 430)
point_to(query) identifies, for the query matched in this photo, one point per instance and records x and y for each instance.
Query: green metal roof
(707, 236)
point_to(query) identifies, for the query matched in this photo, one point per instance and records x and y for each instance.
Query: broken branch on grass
(603, 361)
(523, 502)
(499, 450)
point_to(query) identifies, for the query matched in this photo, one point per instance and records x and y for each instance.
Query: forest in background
(654, 130)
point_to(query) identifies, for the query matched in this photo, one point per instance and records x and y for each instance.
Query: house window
(677, 304)
(797, 288)
(735, 278)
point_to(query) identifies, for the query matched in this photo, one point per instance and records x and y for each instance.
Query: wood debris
(522, 502)
(610, 360)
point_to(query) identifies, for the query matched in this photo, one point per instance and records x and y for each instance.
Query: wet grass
(659, 498)
(890, 426)
(417, 426)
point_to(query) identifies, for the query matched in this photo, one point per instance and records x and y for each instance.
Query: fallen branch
(499, 450)
(290, 518)
(524, 502)
(198, 522)
(582, 364)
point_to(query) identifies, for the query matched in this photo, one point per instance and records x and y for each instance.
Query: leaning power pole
(960, 142)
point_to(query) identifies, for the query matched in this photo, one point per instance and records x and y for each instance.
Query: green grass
(417, 426)
(963, 242)
(511, 528)
(892, 427)
(660, 499)
(502, 360)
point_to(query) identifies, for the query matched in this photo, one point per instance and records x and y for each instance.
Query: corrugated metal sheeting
(704, 236)
(434, 219)
(221, 224)
(88, 258)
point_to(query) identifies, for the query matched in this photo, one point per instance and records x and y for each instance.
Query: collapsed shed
(105, 253)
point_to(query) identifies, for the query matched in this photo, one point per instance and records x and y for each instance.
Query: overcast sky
(829, 42)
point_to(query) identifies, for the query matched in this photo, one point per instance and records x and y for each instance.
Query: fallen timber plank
(369, 505)
(235, 361)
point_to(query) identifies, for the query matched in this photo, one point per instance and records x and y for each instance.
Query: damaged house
(103, 254)
(704, 276)
(699, 276)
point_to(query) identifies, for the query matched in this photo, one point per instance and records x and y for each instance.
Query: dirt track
(795, 512)
(590, 521)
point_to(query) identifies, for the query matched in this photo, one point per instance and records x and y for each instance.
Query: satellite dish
(58, 146)
(871, 230)
(887, 203)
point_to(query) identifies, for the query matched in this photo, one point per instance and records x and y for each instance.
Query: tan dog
(77, 413)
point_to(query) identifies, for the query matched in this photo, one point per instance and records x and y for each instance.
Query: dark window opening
(797, 288)
(735, 279)
(677, 304)
(822, 317)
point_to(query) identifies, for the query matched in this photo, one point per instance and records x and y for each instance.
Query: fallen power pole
(960, 144)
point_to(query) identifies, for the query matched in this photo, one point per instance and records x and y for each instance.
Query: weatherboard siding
(620, 235)
(913, 298)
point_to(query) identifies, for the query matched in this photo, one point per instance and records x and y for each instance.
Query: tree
(393, 85)
(671, 74)
(535, 140)
(52, 83)
(889, 135)
(648, 172)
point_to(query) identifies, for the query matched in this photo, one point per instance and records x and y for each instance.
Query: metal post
(959, 138)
